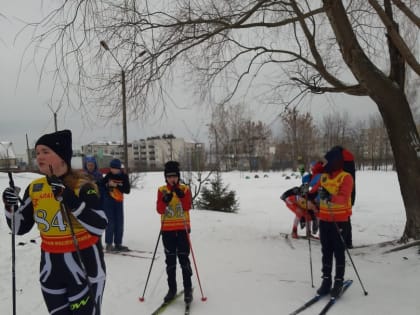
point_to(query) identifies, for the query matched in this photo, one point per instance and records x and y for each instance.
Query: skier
(65, 206)
(349, 167)
(117, 184)
(296, 200)
(335, 187)
(173, 204)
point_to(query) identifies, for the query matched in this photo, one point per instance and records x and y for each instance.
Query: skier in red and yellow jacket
(173, 204)
(335, 209)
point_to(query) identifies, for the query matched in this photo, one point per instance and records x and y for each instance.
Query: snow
(245, 264)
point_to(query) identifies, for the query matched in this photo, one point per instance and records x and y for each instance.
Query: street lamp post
(124, 106)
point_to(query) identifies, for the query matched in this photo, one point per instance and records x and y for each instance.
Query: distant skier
(173, 204)
(305, 210)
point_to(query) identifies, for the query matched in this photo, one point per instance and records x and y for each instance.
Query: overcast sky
(25, 102)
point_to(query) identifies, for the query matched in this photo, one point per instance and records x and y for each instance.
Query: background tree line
(237, 142)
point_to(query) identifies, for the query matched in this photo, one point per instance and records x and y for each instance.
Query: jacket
(39, 206)
(339, 184)
(175, 216)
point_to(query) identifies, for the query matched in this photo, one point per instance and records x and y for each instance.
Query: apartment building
(146, 154)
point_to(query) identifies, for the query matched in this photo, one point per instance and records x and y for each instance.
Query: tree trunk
(403, 137)
(395, 111)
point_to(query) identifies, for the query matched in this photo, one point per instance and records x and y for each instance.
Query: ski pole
(347, 250)
(308, 235)
(203, 298)
(151, 264)
(66, 216)
(12, 185)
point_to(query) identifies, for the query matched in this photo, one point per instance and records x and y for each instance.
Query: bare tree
(325, 46)
(301, 134)
(234, 136)
(335, 129)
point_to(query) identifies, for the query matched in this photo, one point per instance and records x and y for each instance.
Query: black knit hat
(172, 168)
(334, 159)
(60, 143)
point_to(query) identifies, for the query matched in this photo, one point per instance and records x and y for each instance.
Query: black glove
(57, 187)
(296, 191)
(179, 192)
(10, 197)
(62, 193)
(324, 194)
(167, 197)
(304, 189)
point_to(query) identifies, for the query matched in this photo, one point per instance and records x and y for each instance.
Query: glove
(10, 197)
(324, 194)
(179, 192)
(295, 190)
(57, 187)
(62, 193)
(304, 189)
(167, 197)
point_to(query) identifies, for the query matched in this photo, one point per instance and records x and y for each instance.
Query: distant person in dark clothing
(90, 167)
(117, 184)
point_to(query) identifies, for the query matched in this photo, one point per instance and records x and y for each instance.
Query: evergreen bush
(217, 197)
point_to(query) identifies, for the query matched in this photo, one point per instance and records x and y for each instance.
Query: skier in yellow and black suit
(62, 275)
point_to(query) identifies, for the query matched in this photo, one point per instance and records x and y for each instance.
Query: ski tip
(141, 299)
(204, 299)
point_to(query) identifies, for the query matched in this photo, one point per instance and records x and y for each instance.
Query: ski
(333, 300)
(187, 308)
(140, 251)
(287, 240)
(310, 302)
(164, 305)
(128, 254)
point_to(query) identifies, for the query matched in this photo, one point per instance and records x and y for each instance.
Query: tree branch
(397, 40)
(406, 10)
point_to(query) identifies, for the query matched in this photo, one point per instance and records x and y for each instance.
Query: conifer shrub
(218, 197)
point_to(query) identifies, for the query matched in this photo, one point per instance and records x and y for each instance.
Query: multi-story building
(144, 154)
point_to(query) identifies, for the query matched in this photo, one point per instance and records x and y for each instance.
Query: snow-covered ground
(245, 264)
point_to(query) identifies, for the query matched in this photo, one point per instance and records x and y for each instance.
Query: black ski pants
(177, 245)
(332, 246)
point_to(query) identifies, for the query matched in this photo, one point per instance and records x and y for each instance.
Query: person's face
(115, 171)
(172, 180)
(45, 157)
(90, 166)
